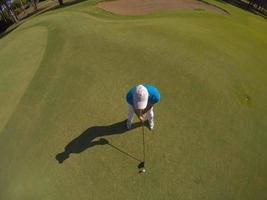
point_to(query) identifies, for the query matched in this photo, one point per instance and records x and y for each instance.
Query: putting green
(18, 66)
(63, 79)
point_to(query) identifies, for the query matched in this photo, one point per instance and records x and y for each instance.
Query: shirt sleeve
(129, 96)
(154, 96)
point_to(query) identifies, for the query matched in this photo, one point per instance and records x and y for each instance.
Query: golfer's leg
(130, 116)
(150, 117)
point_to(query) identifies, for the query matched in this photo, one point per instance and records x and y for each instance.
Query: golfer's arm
(148, 108)
(138, 114)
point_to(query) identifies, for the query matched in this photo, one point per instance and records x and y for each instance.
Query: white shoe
(151, 124)
(129, 124)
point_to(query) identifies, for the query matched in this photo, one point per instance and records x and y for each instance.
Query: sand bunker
(141, 7)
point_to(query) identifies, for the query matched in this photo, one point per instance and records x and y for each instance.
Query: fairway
(64, 75)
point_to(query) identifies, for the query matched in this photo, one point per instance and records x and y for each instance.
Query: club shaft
(144, 150)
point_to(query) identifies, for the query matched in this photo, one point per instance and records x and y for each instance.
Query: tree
(259, 4)
(60, 2)
(5, 6)
(34, 4)
(5, 18)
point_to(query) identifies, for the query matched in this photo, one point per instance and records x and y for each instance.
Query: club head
(141, 165)
(142, 170)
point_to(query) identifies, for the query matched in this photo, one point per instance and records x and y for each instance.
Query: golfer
(141, 99)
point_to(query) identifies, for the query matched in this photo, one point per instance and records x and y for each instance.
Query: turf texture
(64, 75)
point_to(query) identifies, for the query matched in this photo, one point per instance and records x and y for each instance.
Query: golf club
(141, 166)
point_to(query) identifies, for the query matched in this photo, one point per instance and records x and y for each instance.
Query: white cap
(140, 97)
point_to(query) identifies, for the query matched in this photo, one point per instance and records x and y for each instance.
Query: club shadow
(121, 150)
(93, 136)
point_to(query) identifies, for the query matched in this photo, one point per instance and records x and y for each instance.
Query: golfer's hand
(142, 118)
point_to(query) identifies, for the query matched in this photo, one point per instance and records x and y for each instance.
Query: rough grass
(69, 69)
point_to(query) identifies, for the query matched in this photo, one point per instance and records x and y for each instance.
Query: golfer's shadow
(91, 137)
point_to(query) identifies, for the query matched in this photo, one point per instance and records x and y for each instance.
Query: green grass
(67, 70)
